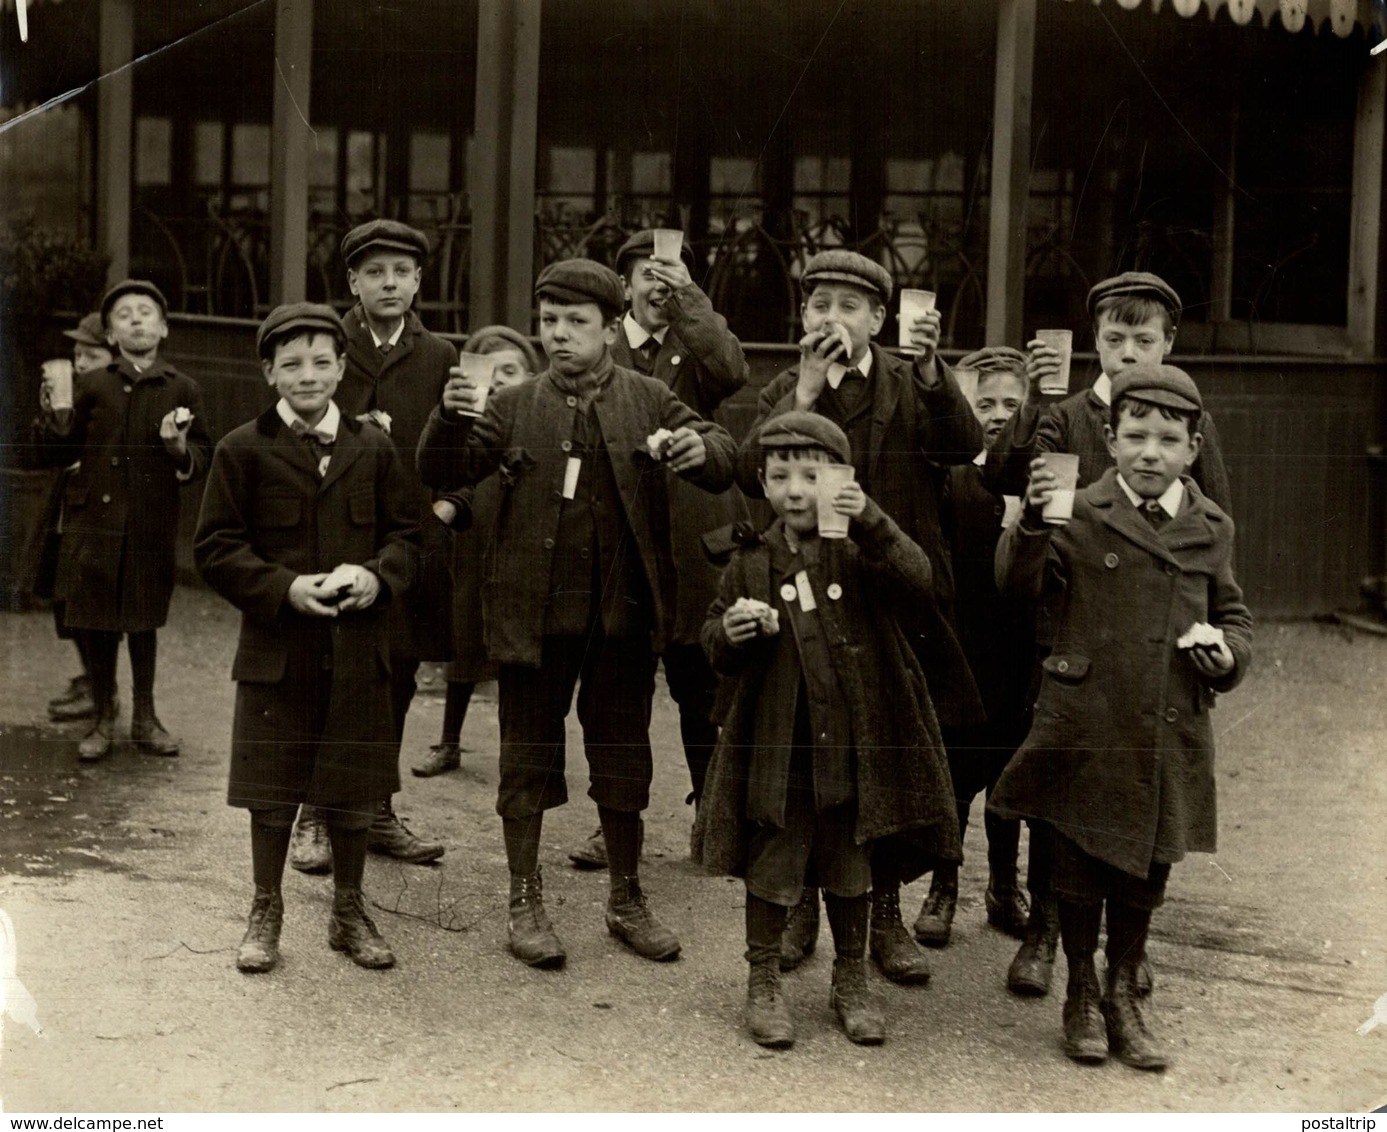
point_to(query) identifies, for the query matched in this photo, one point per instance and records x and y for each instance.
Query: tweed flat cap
(516, 340)
(994, 359)
(642, 243)
(841, 266)
(798, 429)
(1139, 283)
(1160, 384)
(385, 236)
(299, 316)
(582, 281)
(89, 332)
(132, 287)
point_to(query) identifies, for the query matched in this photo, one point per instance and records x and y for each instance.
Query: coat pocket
(361, 507)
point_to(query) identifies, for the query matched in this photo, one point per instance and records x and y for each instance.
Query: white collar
(1102, 389)
(394, 339)
(1170, 499)
(637, 335)
(837, 371)
(325, 430)
(981, 458)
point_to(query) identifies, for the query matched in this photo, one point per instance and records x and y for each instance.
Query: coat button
(787, 591)
(115, 461)
(1172, 570)
(1110, 561)
(548, 544)
(999, 510)
(1062, 666)
(835, 591)
(1171, 715)
(105, 499)
(571, 402)
(126, 388)
(675, 360)
(566, 446)
(583, 554)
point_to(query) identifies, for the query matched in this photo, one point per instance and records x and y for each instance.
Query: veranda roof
(1340, 15)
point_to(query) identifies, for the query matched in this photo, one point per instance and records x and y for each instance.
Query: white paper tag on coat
(806, 592)
(1012, 510)
(570, 477)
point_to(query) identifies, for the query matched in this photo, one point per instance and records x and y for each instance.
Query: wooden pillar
(503, 176)
(1365, 252)
(1225, 230)
(1011, 172)
(115, 114)
(291, 141)
(868, 95)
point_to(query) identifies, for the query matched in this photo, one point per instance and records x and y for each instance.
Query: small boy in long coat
(808, 766)
(308, 527)
(1150, 625)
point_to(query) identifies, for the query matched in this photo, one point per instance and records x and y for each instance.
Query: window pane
(250, 154)
(428, 163)
(207, 153)
(153, 151)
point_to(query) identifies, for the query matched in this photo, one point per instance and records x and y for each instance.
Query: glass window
(250, 154)
(428, 162)
(153, 151)
(322, 159)
(207, 153)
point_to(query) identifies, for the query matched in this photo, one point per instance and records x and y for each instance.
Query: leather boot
(767, 1012)
(630, 920)
(75, 703)
(352, 931)
(1007, 910)
(390, 836)
(1085, 1038)
(97, 743)
(801, 934)
(1144, 980)
(1128, 1036)
(935, 922)
(1031, 971)
(310, 851)
(893, 951)
(442, 758)
(592, 853)
(529, 933)
(259, 950)
(151, 736)
(857, 1008)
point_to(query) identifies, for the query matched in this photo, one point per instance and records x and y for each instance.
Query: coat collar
(345, 450)
(1195, 526)
(361, 347)
(126, 368)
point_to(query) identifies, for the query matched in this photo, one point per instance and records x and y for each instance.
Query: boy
(580, 586)
(996, 632)
(1119, 759)
(90, 351)
(395, 373)
(307, 527)
(905, 420)
(807, 767)
(671, 333)
(137, 427)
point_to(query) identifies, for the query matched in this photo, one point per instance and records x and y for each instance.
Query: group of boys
(616, 543)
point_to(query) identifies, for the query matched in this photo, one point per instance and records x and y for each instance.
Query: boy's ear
(761, 476)
(267, 368)
(351, 282)
(878, 319)
(611, 329)
(1169, 344)
(1110, 439)
(1196, 443)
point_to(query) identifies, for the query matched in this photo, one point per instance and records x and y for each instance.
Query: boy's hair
(273, 341)
(805, 452)
(1133, 310)
(1139, 408)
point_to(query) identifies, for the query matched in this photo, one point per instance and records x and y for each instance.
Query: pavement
(128, 884)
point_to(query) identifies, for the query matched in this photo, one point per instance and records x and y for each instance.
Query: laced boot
(630, 920)
(853, 1002)
(442, 757)
(592, 853)
(1085, 1039)
(151, 736)
(259, 950)
(352, 931)
(893, 951)
(767, 1012)
(1128, 1036)
(75, 703)
(1034, 966)
(530, 935)
(97, 743)
(390, 836)
(310, 851)
(935, 922)
(801, 934)
(1007, 910)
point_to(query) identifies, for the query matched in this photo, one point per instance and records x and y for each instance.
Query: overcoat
(1120, 756)
(266, 518)
(524, 435)
(473, 529)
(702, 362)
(916, 432)
(120, 508)
(903, 784)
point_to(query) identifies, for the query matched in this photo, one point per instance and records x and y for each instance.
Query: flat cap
(798, 429)
(132, 287)
(89, 332)
(1141, 284)
(642, 243)
(1159, 384)
(838, 265)
(299, 316)
(581, 281)
(489, 335)
(994, 359)
(385, 236)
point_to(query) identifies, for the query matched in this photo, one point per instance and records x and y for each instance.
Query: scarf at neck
(587, 387)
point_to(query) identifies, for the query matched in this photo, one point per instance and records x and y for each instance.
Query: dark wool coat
(120, 508)
(702, 362)
(1120, 757)
(266, 518)
(473, 531)
(407, 383)
(1075, 425)
(915, 433)
(525, 435)
(903, 784)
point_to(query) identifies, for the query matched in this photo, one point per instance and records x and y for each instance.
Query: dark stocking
(455, 712)
(847, 918)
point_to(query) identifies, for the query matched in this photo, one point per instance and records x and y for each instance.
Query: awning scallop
(1340, 15)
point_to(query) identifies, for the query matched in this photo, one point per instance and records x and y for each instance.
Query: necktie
(385, 348)
(322, 450)
(1155, 513)
(646, 353)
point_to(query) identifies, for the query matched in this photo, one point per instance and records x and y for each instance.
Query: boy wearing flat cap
(905, 421)
(1119, 761)
(806, 632)
(138, 428)
(395, 373)
(580, 589)
(308, 527)
(671, 333)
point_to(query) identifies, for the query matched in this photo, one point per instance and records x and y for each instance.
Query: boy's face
(511, 368)
(647, 296)
(1151, 451)
(575, 336)
(998, 397)
(1122, 345)
(858, 311)
(790, 481)
(305, 372)
(135, 324)
(386, 283)
(87, 358)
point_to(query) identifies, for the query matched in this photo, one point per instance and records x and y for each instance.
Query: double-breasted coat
(860, 585)
(524, 436)
(1120, 756)
(120, 508)
(266, 518)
